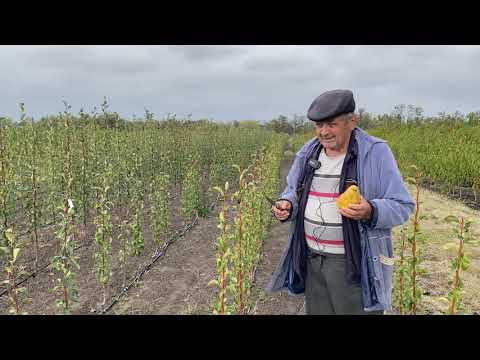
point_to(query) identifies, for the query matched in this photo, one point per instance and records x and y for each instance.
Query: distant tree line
(414, 115)
(281, 124)
(400, 115)
(110, 120)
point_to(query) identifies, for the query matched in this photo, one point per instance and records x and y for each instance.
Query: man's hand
(282, 210)
(357, 211)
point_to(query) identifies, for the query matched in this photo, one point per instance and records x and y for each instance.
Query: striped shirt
(323, 222)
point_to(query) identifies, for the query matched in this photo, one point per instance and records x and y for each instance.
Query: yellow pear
(351, 196)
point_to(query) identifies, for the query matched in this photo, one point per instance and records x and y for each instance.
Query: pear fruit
(351, 196)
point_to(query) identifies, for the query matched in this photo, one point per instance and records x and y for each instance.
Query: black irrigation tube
(46, 226)
(38, 271)
(4, 292)
(158, 254)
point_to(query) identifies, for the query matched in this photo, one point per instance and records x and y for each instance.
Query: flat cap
(330, 104)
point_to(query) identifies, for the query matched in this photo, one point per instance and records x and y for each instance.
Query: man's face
(334, 135)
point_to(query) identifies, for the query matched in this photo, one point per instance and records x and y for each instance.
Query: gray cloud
(207, 52)
(235, 82)
(119, 60)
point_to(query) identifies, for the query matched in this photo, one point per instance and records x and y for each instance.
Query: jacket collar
(364, 139)
(352, 144)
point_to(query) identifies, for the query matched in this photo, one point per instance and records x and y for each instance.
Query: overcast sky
(235, 82)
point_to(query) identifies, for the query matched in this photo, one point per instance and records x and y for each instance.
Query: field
(104, 216)
(90, 202)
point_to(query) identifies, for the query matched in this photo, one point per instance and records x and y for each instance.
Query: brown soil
(178, 284)
(279, 303)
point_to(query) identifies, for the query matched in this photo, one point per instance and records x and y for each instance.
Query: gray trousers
(327, 291)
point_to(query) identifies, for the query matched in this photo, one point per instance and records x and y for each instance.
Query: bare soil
(178, 285)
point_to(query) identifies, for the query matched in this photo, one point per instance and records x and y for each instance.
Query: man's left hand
(357, 211)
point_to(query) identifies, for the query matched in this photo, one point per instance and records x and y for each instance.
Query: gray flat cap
(330, 104)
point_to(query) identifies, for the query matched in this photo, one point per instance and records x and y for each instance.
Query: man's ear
(354, 121)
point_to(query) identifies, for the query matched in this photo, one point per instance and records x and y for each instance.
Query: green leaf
(453, 264)
(235, 166)
(464, 263)
(418, 293)
(451, 218)
(16, 251)
(219, 190)
(10, 235)
(21, 290)
(443, 299)
(213, 282)
(411, 180)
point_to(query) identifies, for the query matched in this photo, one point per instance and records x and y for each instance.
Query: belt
(314, 254)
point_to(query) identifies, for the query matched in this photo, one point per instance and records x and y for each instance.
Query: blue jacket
(381, 183)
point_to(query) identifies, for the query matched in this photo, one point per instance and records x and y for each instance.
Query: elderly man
(341, 259)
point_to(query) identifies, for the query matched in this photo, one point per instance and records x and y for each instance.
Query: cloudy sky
(235, 82)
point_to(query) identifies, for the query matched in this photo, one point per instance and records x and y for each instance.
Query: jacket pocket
(383, 261)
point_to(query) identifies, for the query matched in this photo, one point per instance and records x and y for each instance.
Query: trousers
(327, 291)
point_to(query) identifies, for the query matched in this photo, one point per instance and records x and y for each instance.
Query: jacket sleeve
(395, 204)
(289, 193)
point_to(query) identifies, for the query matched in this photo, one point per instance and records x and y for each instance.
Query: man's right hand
(282, 210)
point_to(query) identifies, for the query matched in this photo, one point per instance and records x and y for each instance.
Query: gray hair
(348, 117)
